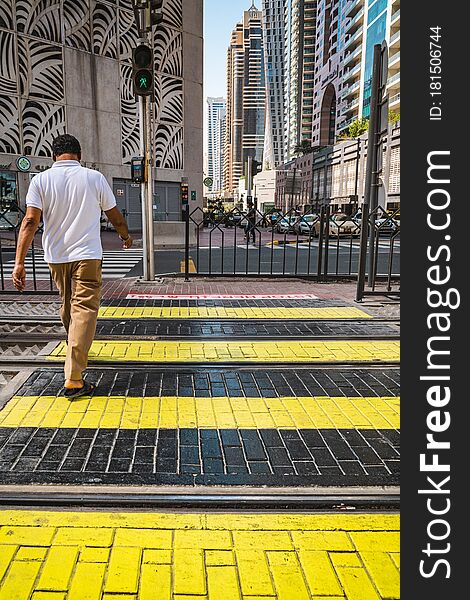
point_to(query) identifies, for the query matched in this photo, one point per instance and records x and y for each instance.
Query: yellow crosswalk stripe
(240, 351)
(278, 556)
(204, 413)
(221, 312)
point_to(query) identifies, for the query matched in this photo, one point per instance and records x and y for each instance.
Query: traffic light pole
(146, 189)
(148, 13)
(149, 191)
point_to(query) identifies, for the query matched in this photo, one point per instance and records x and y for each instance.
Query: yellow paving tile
(26, 536)
(254, 351)
(219, 312)
(155, 582)
(319, 573)
(124, 570)
(19, 581)
(87, 582)
(57, 569)
(189, 572)
(6, 556)
(356, 584)
(212, 413)
(222, 583)
(29, 553)
(159, 557)
(383, 572)
(94, 555)
(226, 556)
(288, 577)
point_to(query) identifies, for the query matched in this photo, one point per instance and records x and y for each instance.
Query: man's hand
(19, 277)
(126, 244)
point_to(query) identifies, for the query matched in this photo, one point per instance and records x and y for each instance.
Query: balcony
(345, 124)
(394, 101)
(350, 106)
(354, 39)
(352, 73)
(394, 40)
(352, 55)
(395, 17)
(352, 89)
(394, 61)
(394, 81)
(353, 7)
(355, 22)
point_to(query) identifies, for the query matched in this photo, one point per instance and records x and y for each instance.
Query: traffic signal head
(138, 173)
(184, 194)
(142, 70)
(156, 14)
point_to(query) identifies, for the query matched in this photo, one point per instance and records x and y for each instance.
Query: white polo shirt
(71, 198)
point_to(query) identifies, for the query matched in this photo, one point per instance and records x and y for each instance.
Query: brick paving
(234, 556)
(246, 351)
(281, 428)
(213, 424)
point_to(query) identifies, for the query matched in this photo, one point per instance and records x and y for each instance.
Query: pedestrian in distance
(250, 229)
(69, 199)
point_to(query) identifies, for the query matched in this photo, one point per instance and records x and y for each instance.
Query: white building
(264, 188)
(216, 116)
(274, 36)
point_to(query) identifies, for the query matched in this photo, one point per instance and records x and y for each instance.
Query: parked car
(387, 225)
(342, 224)
(233, 220)
(306, 225)
(286, 225)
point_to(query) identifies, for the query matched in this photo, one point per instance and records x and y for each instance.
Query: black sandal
(86, 390)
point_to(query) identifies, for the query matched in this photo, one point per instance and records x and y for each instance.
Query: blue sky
(220, 18)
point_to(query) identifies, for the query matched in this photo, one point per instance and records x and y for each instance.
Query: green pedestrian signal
(142, 70)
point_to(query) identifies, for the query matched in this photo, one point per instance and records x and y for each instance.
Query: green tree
(358, 127)
(393, 116)
(305, 147)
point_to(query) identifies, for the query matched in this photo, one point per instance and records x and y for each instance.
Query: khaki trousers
(79, 285)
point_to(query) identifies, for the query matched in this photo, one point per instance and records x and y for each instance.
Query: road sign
(208, 182)
(23, 163)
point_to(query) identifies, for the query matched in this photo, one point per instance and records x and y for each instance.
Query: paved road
(276, 259)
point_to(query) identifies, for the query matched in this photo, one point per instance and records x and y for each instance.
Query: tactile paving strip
(187, 328)
(172, 328)
(239, 351)
(231, 556)
(260, 438)
(223, 312)
(249, 383)
(235, 457)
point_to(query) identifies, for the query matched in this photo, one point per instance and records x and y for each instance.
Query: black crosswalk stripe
(116, 264)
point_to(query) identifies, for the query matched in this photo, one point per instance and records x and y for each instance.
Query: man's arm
(120, 225)
(28, 228)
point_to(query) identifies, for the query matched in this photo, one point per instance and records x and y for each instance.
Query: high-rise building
(274, 40)
(216, 108)
(300, 60)
(366, 23)
(328, 52)
(246, 98)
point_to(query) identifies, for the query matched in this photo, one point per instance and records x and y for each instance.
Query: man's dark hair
(65, 144)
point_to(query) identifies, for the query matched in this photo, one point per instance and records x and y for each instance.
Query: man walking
(70, 199)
